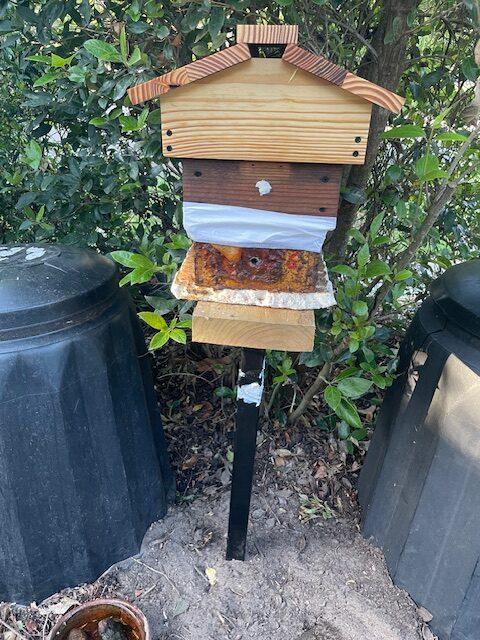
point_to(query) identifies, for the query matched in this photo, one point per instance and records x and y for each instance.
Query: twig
(160, 573)
(17, 633)
(185, 373)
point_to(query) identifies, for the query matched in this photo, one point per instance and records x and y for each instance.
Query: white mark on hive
(251, 393)
(264, 187)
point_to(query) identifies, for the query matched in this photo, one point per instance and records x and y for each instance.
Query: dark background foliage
(80, 165)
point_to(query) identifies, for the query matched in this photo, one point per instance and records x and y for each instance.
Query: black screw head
(169, 147)
(169, 132)
(197, 174)
(325, 179)
(358, 139)
(322, 209)
(355, 153)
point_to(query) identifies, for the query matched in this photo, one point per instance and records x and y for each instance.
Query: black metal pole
(249, 396)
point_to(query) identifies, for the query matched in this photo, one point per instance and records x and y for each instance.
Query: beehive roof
(293, 54)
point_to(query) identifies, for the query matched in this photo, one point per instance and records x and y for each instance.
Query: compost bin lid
(41, 284)
(457, 293)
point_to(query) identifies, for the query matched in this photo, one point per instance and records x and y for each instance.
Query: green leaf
(377, 268)
(436, 122)
(97, 122)
(162, 32)
(360, 308)
(363, 256)
(215, 23)
(224, 392)
(77, 74)
(158, 340)
(344, 270)
(346, 411)
(51, 76)
(39, 58)
(355, 195)
(138, 260)
(184, 324)
(123, 45)
(58, 61)
(153, 320)
(141, 274)
(32, 154)
(404, 131)
(451, 136)
(178, 335)
(376, 224)
(427, 168)
(354, 387)
(469, 69)
(124, 257)
(392, 35)
(343, 430)
(102, 50)
(135, 57)
(332, 397)
(404, 274)
(129, 123)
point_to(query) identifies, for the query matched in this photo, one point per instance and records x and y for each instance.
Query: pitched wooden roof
(189, 73)
(293, 54)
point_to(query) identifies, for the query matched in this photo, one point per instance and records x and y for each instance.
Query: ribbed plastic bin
(420, 486)
(83, 463)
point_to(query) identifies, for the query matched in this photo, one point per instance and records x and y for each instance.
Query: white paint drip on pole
(251, 393)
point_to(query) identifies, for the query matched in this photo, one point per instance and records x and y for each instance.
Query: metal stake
(249, 396)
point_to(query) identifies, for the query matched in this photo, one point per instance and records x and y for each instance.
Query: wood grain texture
(373, 92)
(267, 33)
(265, 109)
(318, 65)
(255, 327)
(323, 68)
(298, 188)
(189, 73)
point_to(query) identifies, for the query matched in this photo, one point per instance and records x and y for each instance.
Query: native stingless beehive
(262, 141)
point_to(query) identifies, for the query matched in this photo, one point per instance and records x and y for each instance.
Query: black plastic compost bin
(83, 467)
(420, 486)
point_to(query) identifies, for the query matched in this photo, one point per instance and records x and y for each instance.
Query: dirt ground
(303, 581)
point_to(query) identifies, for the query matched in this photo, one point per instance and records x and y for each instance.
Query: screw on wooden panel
(169, 132)
(358, 139)
(254, 261)
(197, 174)
(169, 147)
(355, 153)
(325, 179)
(322, 209)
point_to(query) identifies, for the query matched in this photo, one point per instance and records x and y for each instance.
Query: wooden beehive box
(262, 141)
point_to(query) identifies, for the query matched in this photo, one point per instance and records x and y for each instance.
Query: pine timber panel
(255, 327)
(189, 73)
(265, 109)
(323, 68)
(267, 34)
(300, 188)
(374, 93)
(318, 65)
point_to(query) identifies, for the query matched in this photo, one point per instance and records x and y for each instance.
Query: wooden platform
(256, 327)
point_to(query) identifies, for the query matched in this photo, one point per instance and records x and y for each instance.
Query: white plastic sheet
(245, 227)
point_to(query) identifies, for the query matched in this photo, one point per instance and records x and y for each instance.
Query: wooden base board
(238, 325)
